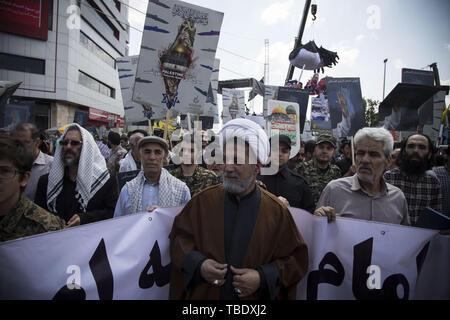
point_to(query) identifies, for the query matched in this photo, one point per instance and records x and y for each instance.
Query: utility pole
(266, 62)
(384, 81)
(298, 40)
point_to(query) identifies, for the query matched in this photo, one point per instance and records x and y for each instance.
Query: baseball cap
(282, 138)
(154, 139)
(326, 138)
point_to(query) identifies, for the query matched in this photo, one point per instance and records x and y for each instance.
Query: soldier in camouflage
(19, 217)
(319, 170)
(196, 177)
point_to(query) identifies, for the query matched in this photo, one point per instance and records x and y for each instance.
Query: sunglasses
(71, 142)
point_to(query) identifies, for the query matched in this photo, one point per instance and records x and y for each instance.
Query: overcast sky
(409, 33)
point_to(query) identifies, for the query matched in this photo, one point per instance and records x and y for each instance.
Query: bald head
(134, 141)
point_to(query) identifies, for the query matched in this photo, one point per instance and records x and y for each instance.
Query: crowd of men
(235, 237)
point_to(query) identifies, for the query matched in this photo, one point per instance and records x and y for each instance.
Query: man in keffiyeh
(79, 188)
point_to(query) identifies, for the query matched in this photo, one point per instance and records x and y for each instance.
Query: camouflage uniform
(27, 219)
(317, 179)
(201, 179)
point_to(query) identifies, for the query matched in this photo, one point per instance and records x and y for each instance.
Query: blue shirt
(150, 193)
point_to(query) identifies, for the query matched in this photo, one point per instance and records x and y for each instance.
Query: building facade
(64, 52)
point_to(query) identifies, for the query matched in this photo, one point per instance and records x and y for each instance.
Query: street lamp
(384, 81)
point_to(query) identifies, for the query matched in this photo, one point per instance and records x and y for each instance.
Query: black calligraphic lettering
(362, 257)
(160, 275)
(70, 294)
(325, 275)
(101, 270)
(102, 273)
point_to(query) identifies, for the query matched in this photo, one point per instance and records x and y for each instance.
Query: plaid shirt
(420, 191)
(443, 174)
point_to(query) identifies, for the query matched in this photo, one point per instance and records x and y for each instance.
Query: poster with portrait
(178, 47)
(284, 119)
(233, 102)
(134, 112)
(345, 105)
(398, 111)
(16, 113)
(320, 115)
(421, 77)
(299, 96)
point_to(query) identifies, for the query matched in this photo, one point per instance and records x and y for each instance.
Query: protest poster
(348, 259)
(270, 93)
(320, 115)
(284, 119)
(134, 112)
(16, 113)
(345, 105)
(300, 96)
(398, 111)
(233, 102)
(210, 108)
(421, 77)
(178, 47)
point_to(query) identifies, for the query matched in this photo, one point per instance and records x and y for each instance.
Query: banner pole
(166, 125)
(353, 150)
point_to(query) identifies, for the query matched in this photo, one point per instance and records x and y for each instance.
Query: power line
(238, 55)
(239, 74)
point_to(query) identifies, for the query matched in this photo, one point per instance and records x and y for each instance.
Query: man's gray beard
(239, 186)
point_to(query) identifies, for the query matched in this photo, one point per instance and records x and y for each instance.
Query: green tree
(371, 112)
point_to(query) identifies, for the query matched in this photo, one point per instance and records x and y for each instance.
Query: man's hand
(245, 281)
(284, 200)
(212, 270)
(74, 221)
(326, 212)
(343, 103)
(151, 208)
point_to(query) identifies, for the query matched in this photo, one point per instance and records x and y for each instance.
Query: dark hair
(431, 150)
(30, 127)
(309, 146)
(145, 133)
(124, 137)
(114, 138)
(17, 153)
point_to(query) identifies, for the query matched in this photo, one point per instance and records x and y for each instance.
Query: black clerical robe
(255, 232)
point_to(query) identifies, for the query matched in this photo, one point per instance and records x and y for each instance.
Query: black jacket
(291, 186)
(100, 207)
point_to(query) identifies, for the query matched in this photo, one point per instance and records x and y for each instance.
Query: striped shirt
(420, 191)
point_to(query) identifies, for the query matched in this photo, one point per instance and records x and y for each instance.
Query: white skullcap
(250, 132)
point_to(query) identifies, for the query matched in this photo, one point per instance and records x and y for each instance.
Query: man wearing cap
(286, 183)
(116, 154)
(319, 170)
(236, 240)
(154, 186)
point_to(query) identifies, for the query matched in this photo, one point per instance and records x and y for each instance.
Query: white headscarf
(92, 171)
(250, 132)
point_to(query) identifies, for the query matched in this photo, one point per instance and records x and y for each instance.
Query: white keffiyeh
(171, 191)
(250, 132)
(92, 171)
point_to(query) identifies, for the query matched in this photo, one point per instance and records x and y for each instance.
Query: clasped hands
(245, 281)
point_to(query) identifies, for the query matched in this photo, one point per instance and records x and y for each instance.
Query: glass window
(97, 50)
(92, 83)
(22, 64)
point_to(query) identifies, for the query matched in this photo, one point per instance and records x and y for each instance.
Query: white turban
(250, 132)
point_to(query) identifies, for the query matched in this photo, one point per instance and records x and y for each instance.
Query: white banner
(128, 258)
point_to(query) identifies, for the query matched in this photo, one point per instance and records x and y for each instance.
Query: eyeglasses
(71, 142)
(8, 172)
